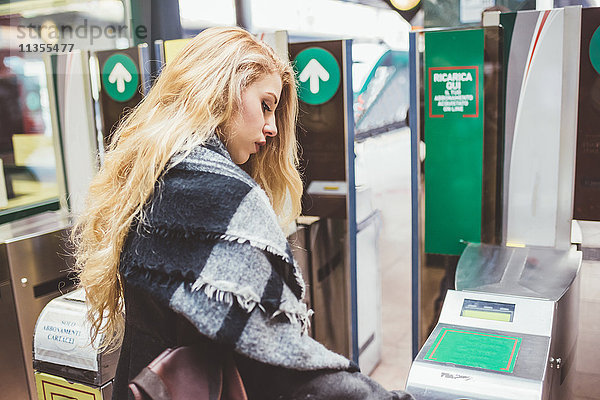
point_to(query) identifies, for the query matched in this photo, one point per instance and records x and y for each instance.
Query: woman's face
(249, 128)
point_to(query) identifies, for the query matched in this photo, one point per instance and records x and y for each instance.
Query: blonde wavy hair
(192, 99)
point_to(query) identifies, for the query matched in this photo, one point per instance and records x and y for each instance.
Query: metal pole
(414, 177)
(243, 14)
(153, 20)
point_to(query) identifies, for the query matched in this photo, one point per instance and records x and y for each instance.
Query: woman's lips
(258, 145)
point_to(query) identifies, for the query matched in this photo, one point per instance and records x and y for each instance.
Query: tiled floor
(386, 161)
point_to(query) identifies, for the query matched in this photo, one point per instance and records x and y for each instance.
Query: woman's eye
(265, 107)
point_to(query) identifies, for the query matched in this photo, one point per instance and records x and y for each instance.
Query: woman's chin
(241, 159)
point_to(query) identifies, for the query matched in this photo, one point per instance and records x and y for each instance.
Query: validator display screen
(489, 310)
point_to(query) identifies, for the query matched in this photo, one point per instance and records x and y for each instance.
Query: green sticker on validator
(475, 349)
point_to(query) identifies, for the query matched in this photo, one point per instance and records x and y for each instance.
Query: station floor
(386, 161)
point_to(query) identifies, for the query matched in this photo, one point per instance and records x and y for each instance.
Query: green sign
(595, 50)
(453, 81)
(318, 75)
(475, 349)
(120, 77)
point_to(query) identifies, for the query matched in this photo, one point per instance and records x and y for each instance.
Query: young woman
(189, 244)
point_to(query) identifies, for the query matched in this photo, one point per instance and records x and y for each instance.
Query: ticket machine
(498, 183)
(507, 332)
(67, 365)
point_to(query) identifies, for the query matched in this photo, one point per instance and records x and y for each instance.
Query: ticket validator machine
(498, 185)
(66, 363)
(506, 332)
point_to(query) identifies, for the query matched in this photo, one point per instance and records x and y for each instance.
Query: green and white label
(120, 77)
(454, 90)
(318, 75)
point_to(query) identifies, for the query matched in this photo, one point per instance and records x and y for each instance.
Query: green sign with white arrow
(595, 50)
(120, 77)
(318, 75)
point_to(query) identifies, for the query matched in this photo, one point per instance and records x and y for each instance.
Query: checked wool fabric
(210, 248)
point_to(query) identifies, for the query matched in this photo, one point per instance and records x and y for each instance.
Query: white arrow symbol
(314, 71)
(120, 75)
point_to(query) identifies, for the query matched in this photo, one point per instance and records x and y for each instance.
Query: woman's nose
(270, 130)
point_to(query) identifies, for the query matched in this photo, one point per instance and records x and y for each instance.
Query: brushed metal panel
(4, 271)
(330, 277)
(38, 259)
(12, 364)
(298, 243)
(35, 252)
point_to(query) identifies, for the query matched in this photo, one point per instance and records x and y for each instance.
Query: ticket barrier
(508, 331)
(319, 246)
(34, 265)
(66, 364)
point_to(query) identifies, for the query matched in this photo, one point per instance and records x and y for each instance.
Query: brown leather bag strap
(190, 373)
(149, 386)
(233, 386)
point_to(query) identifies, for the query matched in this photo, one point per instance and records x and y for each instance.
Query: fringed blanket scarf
(211, 248)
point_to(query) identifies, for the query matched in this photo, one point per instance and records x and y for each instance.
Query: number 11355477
(46, 48)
